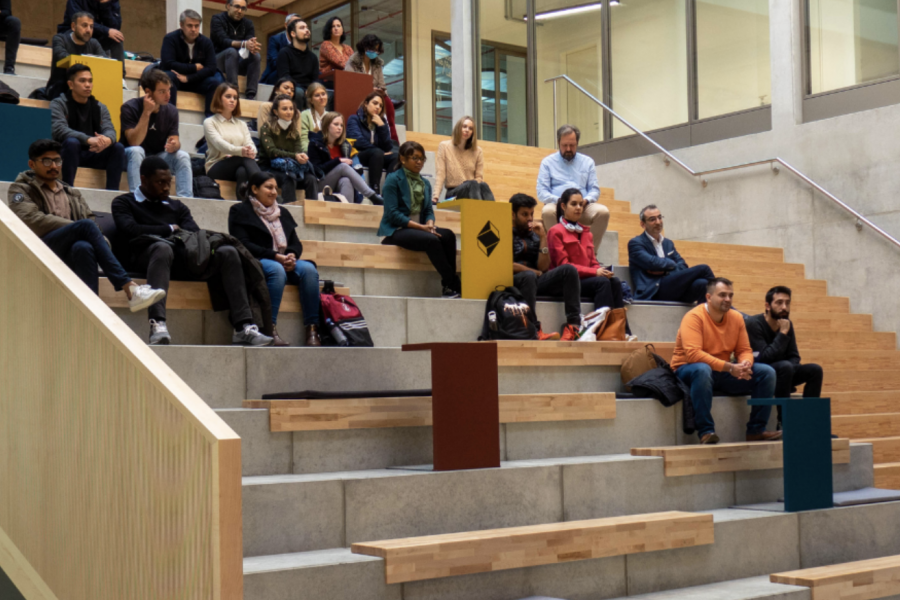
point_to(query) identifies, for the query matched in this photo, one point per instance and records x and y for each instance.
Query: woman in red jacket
(572, 244)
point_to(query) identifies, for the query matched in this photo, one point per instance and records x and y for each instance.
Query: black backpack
(206, 187)
(508, 317)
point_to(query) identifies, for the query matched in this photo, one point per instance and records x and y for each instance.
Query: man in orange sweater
(708, 336)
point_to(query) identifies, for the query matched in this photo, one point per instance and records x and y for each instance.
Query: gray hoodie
(59, 122)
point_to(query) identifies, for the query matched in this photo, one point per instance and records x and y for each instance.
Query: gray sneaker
(251, 336)
(159, 333)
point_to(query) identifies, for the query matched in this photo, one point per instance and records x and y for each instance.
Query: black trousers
(160, 263)
(288, 184)
(788, 376)
(375, 160)
(688, 285)
(604, 291)
(561, 281)
(234, 168)
(441, 251)
(11, 27)
(204, 87)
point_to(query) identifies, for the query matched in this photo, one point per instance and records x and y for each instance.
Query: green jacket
(277, 144)
(397, 202)
(307, 126)
(28, 202)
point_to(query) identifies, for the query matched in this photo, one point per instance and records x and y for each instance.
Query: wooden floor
(861, 580)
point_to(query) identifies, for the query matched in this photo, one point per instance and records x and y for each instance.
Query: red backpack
(341, 321)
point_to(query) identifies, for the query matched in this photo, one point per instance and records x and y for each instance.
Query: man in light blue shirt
(568, 169)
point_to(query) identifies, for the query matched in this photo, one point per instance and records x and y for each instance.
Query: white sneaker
(159, 333)
(124, 84)
(251, 336)
(631, 338)
(144, 296)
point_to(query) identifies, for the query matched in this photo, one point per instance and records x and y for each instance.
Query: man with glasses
(237, 50)
(657, 270)
(59, 215)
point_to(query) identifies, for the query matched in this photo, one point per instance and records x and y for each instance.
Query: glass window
(648, 55)
(384, 18)
(732, 56)
(503, 93)
(443, 85)
(851, 42)
(569, 43)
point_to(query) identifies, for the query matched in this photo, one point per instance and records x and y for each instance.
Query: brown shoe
(277, 338)
(765, 436)
(312, 336)
(709, 438)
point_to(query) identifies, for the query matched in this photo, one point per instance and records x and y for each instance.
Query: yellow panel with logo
(487, 247)
(107, 83)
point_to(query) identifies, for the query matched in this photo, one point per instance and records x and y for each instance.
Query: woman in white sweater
(232, 153)
(460, 165)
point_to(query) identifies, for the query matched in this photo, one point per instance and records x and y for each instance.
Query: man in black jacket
(107, 24)
(189, 59)
(774, 343)
(11, 27)
(298, 61)
(237, 50)
(150, 212)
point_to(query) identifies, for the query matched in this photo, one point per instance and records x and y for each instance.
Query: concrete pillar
(174, 8)
(461, 34)
(785, 47)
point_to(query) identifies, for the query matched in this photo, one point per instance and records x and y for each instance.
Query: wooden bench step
(362, 215)
(862, 403)
(436, 556)
(887, 476)
(726, 458)
(812, 321)
(857, 381)
(371, 413)
(187, 101)
(866, 426)
(844, 340)
(861, 580)
(861, 360)
(512, 353)
(754, 303)
(884, 450)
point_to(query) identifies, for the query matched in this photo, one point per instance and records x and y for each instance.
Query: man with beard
(298, 61)
(234, 38)
(708, 336)
(658, 271)
(774, 343)
(532, 272)
(78, 41)
(568, 169)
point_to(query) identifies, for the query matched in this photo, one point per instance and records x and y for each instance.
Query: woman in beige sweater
(232, 153)
(460, 165)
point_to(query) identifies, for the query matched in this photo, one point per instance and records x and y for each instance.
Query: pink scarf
(271, 218)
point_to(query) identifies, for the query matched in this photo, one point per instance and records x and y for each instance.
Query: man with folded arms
(189, 59)
(774, 343)
(708, 336)
(234, 38)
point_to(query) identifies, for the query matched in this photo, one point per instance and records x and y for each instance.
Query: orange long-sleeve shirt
(700, 339)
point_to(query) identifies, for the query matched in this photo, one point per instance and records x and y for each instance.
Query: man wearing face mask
(568, 169)
(234, 38)
(775, 344)
(298, 61)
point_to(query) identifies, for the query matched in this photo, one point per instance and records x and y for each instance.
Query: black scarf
(93, 110)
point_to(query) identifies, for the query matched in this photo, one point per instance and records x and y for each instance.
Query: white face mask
(244, 53)
(284, 124)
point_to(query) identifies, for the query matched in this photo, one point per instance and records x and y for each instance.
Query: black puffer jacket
(662, 383)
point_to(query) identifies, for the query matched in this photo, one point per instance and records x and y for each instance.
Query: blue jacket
(107, 15)
(398, 201)
(358, 130)
(642, 258)
(276, 43)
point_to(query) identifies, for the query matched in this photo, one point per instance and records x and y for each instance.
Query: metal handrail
(669, 157)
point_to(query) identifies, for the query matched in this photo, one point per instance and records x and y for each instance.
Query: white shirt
(658, 246)
(191, 49)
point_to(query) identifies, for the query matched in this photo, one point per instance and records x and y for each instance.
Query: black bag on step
(508, 317)
(341, 323)
(206, 187)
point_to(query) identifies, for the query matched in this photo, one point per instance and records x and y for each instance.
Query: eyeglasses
(417, 158)
(51, 162)
(240, 8)
(655, 219)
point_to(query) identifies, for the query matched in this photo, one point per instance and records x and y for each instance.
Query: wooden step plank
(810, 321)
(703, 250)
(726, 458)
(754, 303)
(370, 413)
(861, 403)
(364, 216)
(866, 426)
(830, 340)
(511, 353)
(365, 256)
(859, 381)
(862, 360)
(887, 477)
(884, 450)
(860, 580)
(436, 556)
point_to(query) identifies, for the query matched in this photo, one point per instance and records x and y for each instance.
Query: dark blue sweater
(175, 56)
(107, 15)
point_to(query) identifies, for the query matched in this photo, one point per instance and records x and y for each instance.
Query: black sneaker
(376, 199)
(9, 70)
(449, 293)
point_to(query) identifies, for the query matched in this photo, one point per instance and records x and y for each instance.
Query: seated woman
(370, 135)
(408, 219)
(333, 53)
(311, 118)
(330, 152)
(280, 142)
(283, 87)
(231, 152)
(366, 60)
(572, 244)
(270, 235)
(460, 161)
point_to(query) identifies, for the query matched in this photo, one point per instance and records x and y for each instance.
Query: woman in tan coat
(460, 165)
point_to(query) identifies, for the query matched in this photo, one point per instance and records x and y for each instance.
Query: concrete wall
(853, 156)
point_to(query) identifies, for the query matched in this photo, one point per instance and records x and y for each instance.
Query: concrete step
(749, 546)
(297, 513)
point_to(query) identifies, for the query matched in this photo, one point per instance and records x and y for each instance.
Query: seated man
(774, 343)
(276, 43)
(11, 27)
(59, 216)
(708, 336)
(568, 169)
(149, 211)
(298, 61)
(82, 124)
(107, 25)
(657, 270)
(150, 128)
(76, 41)
(235, 42)
(189, 59)
(531, 265)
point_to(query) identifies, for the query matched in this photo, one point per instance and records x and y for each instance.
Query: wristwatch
(545, 250)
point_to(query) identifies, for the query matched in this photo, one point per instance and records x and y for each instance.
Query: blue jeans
(179, 163)
(291, 167)
(305, 276)
(704, 382)
(82, 246)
